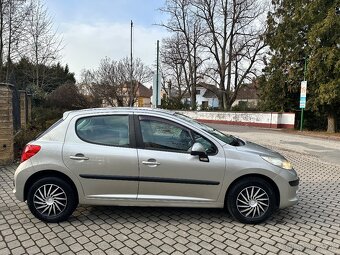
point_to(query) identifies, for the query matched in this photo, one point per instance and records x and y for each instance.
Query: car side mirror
(199, 150)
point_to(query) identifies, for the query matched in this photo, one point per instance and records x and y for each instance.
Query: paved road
(310, 227)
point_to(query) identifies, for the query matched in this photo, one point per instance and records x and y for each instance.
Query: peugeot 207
(145, 157)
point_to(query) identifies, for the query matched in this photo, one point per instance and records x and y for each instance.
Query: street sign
(303, 94)
(302, 102)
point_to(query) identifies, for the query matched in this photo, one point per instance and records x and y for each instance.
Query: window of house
(205, 104)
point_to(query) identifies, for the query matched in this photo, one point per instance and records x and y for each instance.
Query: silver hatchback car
(145, 157)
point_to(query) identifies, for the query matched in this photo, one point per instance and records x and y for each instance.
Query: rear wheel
(251, 200)
(51, 199)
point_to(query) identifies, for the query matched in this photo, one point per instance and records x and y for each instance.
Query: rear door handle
(79, 157)
(150, 162)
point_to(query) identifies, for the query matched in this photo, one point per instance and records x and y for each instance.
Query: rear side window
(110, 130)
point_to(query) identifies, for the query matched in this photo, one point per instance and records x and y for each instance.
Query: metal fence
(16, 109)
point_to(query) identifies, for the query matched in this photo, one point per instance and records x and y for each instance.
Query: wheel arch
(247, 176)
(49, 173)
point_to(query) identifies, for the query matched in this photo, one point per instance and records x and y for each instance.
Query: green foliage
(68, 97)
(324, 64)
(174, 104)
(300, 29)
(24, 136)
(50, 78)
(244, 106)
(42, 118)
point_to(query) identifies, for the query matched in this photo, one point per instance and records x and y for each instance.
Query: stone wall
(256, 119)
(6, 125)
(15, 114)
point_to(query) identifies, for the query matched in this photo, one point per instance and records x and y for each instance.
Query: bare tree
(185, 24)
(234, 42)
(174, 66)
(2, 14)
(111, 81)
(140, 74)
(13, 18)
(43, 42)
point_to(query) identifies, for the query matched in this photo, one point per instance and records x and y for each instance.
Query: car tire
(251, 200)
(51, 199)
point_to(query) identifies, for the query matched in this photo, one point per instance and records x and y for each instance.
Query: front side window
(210, 148)
(228, 139)
(110, 130)
(164, 135)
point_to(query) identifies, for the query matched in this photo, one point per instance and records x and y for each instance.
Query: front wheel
(51, 199)
(251, 200)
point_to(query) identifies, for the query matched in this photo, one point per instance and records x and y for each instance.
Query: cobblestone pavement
(310, 227)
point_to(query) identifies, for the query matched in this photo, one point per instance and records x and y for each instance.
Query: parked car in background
(149, 157)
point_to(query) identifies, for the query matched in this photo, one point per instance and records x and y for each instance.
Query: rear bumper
(21, 175)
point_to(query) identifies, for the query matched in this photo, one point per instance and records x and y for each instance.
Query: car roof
(118, 109)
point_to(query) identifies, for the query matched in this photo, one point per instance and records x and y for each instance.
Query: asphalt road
(323, 149)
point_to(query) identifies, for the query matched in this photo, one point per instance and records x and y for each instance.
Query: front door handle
(150, 162)
(79, 156)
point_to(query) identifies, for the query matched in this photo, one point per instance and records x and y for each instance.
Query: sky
(94, 29)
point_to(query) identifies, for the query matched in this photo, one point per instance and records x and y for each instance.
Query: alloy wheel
(252, 202)
(50, 200)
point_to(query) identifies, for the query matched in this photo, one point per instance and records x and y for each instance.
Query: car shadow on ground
(170, 215)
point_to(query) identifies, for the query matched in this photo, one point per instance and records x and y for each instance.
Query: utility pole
(157, 75)
(131, 85)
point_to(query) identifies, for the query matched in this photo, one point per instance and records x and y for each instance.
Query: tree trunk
(331, 122)
(193, 97)
(1, 37)
(229, 104)
(8, 64)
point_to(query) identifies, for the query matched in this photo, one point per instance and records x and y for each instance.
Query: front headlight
(280, 162)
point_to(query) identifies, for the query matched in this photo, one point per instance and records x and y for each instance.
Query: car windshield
(229, 139)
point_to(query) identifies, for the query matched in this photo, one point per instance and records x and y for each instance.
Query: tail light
(29, 151)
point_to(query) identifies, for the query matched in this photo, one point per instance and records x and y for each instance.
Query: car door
(167, 169)
(101, 151)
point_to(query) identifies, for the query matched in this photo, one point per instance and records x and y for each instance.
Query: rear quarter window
(57, 123)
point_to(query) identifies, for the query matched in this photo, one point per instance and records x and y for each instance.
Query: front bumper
(288, 183)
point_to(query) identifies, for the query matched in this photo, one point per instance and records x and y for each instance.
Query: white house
(247, 95)
(205, 98)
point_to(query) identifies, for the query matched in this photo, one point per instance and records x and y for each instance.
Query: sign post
(156, 87)
(156, 91)
(303, 101)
